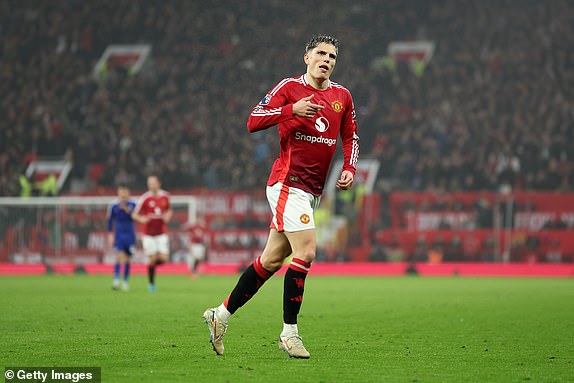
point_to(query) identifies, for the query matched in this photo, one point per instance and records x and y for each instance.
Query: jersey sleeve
(273, 109)
(349, 137)
(110, 218)
(132, 205)
(139, 208)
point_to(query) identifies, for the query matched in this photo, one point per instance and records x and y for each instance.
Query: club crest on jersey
(321, 124)
(304, 219)
(337, 106)
(265, 100)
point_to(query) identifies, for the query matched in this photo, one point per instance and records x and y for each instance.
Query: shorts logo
(337, 106)
(304, 219)
(321, 124)
(265, 100)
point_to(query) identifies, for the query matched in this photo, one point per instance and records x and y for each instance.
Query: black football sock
(293, 288)
(151, 274)
(159, 262)
(250, 281)
(126, 271)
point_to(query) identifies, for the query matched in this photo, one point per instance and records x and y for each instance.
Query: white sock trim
(289, 330)
(222, 312)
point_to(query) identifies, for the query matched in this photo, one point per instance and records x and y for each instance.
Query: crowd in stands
(495, 105)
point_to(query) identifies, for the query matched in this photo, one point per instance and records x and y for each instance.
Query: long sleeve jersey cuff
(349, 168)
(287, 110)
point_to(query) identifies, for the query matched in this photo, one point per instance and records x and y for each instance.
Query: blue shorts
(124, 246)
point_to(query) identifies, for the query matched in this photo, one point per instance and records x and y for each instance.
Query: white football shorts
(292, 208)
(153, 244)
(197, 251)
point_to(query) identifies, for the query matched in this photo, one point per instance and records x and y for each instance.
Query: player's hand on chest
(326, 121)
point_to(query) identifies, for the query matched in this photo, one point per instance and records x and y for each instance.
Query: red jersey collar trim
(306, 83)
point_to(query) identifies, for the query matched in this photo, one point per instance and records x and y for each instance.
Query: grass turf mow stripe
(366, 329)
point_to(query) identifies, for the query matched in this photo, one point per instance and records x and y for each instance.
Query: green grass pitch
(404, 329)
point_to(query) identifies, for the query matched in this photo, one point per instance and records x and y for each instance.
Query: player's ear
(306, 58)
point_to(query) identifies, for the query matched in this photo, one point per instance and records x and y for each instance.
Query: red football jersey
(153, 207)
(198, 233)
(308, 144)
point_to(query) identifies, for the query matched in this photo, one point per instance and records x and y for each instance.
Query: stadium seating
(493, 105)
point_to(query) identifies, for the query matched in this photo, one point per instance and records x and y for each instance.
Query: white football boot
(217, 328)
(293, 345)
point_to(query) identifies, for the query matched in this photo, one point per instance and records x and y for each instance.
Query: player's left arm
(168, 213)
(350, 140)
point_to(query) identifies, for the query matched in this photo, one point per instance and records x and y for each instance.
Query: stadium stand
(494, 105)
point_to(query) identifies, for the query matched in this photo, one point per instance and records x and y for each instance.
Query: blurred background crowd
(494, 106)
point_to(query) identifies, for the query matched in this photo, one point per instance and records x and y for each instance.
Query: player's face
(123, 194)
(321, 61)
(153, 184)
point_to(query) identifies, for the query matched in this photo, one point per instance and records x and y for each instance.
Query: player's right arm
(111, 224)
(137, 214)
(274, 108)
(305, 107)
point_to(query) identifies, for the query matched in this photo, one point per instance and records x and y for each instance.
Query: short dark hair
(317, 39)
(123, 185)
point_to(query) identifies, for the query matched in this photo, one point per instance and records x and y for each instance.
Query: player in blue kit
(122, 234)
